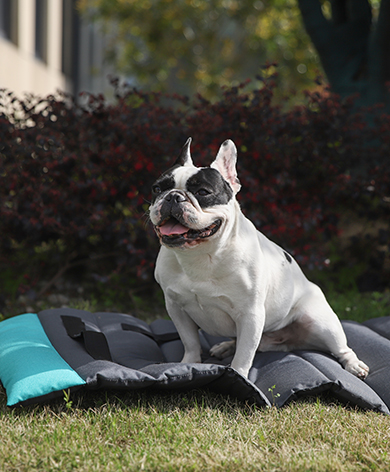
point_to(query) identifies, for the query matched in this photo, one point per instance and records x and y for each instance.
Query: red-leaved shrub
(78, 177)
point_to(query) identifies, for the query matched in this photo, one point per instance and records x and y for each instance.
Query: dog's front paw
(191, 358)
(224, 349)
(358, 368)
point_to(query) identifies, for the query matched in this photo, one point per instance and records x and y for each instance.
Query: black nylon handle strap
(74, 326)
(95, 342)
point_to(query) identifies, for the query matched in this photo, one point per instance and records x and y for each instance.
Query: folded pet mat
(43, 354)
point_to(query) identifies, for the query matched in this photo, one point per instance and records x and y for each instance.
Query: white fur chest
(204, 302)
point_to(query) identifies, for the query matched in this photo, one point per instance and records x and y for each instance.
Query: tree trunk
(353, 47)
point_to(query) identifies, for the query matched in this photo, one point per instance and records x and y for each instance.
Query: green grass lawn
(198, 431)
(359, 306)
(191, 431)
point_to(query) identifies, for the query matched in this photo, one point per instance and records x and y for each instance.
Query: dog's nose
(175, 197)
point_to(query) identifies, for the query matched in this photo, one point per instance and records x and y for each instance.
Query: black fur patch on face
(288, 257)
(164, 183)
(209, 188)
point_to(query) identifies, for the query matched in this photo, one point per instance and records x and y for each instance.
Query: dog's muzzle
(173, 230)
(174, 234)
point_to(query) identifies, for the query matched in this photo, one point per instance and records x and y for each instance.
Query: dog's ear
(225, 163)
(184, 158)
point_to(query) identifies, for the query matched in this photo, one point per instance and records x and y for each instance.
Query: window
(9, 20)
(41, 29)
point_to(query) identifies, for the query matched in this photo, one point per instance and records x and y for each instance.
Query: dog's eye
(156, 189)
(202, 192)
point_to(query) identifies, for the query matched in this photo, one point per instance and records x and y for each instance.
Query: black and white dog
(220, 274)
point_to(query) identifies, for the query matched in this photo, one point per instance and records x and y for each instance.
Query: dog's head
(191, 205)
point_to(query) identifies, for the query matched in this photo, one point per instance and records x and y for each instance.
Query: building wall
(32, 55)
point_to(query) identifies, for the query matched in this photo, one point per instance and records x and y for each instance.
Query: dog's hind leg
(325, 332)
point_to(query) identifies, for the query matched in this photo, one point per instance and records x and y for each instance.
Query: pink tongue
(172, 227)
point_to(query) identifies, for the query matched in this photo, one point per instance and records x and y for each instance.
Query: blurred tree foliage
(188, 46)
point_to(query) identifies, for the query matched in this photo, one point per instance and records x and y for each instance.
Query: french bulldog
(220, 274)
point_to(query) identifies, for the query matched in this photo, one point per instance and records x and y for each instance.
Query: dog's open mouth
(173, 233)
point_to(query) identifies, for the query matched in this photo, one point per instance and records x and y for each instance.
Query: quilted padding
(119, 351)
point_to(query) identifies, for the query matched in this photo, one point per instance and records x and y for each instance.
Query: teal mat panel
(30, 367)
